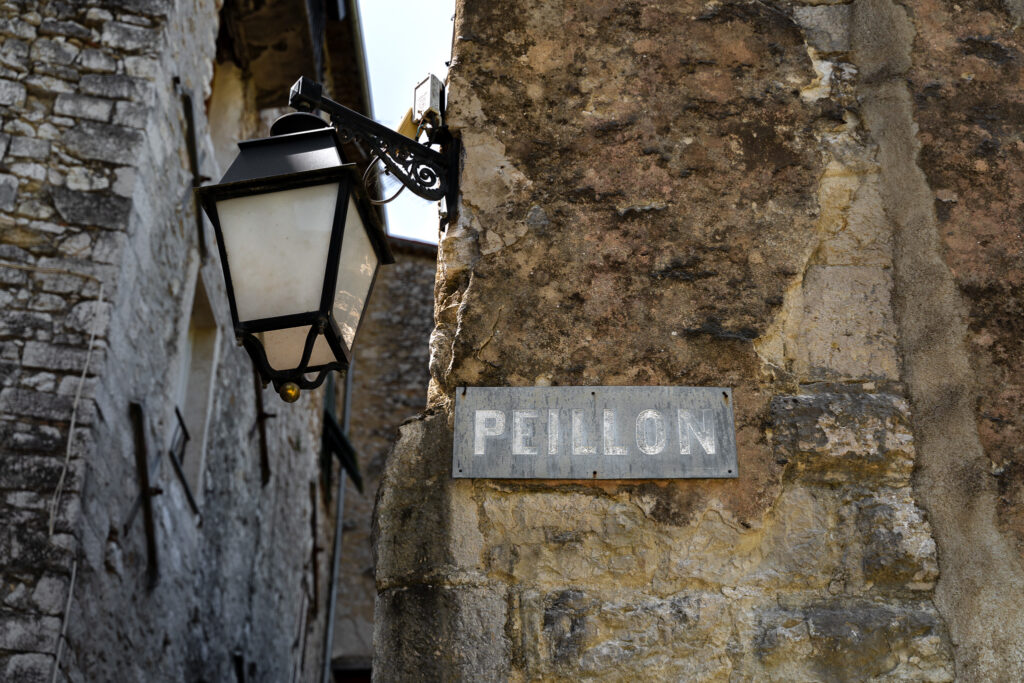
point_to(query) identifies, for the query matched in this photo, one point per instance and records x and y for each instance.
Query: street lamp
(300, 250)
(300, 244)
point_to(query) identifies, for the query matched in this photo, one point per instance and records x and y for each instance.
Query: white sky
(405, 40)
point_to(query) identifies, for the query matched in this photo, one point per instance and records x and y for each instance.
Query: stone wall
(95, 191)
(811, 203)
(389, 379)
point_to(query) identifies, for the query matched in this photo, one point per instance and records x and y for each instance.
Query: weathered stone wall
(963, 242)
(95, 189)
(389, 379)
(744, 194)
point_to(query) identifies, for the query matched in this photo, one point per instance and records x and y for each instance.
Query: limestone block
(45, 406)
(29, 148)
(41, 381)
(602, 635)
(56, 51)
(17, 27)
(20, 127)
(87, 317)
(846, 328)
(844, 437)
(31, 633)
(8, 191)
(96, 16)
(69, 386)
(91, 208)
(10, 276)
(861, 640)
(468, 542)
(29, 171)
(14, 54)
(41, 438)
(857, 231)
(560, 538)
(84, 178)
(16, 595)
(71, 29)
(410, 529)
(35, 472)
(114, 86)
(34, 208)
(12, 93)
(153, 8)
(26, 500)
(48, 131)
(29, 668)
(76, 246)
(26, 324)
(128, 38)
(142, 67)
(103, 142)
(51, 82)
(83, 106)
(133, 115)
(53, 357)
(108, 247)
(802, 546)
(899, 548)
(436, 632)
(93, 59)
(488, 176)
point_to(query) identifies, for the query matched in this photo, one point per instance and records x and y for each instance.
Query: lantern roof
(285, 154)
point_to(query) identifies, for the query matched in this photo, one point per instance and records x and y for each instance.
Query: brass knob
(290, 392)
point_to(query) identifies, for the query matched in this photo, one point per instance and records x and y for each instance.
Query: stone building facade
(389, 380)
(115, 339)
(815, 203)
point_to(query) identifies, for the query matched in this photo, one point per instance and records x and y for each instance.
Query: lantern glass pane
(356, 267)
(284, 348)
(277, 245)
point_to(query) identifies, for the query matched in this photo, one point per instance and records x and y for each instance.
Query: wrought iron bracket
(427, 172)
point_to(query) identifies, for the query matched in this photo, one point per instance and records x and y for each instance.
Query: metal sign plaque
(594, 433)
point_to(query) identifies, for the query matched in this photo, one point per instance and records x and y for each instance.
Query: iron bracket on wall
(176, 454)
(429, 173)
(146, 492)
(194, 160)
(261, 424)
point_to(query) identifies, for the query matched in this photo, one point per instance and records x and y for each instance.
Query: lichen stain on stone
(971, 153)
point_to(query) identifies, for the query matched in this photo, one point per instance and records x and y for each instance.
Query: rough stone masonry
(817, 204)
(96, 176)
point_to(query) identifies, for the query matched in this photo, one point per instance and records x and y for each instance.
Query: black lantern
(300, 248)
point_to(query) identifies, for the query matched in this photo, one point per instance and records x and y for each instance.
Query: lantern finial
(289, 392)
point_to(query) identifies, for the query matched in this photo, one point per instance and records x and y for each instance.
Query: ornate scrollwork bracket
(425, 171)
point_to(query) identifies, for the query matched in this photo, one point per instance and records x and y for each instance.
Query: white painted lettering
(704, 432)
(553, 434)
(579, 436)
(524, 430)
(610, 447)
(650, 432)
(486, 423)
